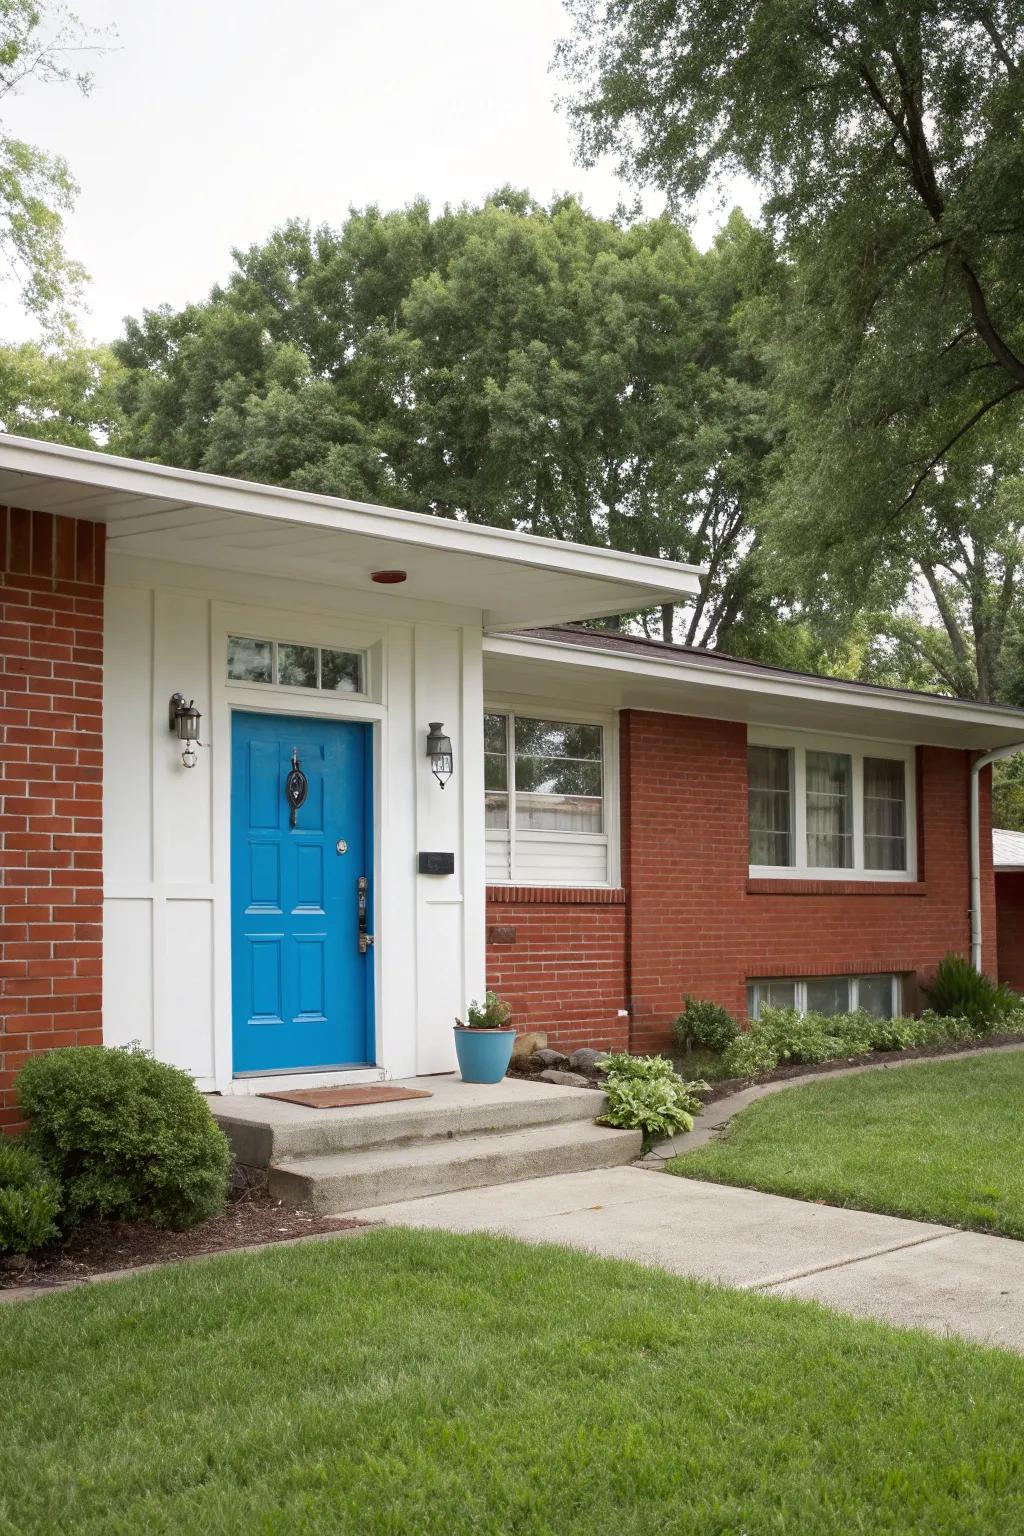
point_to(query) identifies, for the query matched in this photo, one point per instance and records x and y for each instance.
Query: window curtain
(829, 810)
(770, 800)
(885, 814)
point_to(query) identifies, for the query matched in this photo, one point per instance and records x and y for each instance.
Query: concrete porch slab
(265, 1130)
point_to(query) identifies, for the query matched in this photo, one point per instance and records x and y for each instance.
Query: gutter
(982, 762)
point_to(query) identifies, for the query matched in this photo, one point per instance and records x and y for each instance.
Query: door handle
(365, 939)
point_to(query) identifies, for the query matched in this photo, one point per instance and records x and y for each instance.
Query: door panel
(302, 992)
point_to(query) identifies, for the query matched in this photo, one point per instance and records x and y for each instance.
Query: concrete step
(266, 1131)
(345, 1181)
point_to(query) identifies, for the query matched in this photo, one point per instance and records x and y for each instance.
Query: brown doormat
(340, 1098)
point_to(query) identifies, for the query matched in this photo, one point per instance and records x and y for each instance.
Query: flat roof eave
(514, 579)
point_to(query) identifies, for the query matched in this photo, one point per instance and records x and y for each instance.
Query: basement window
(277, 663)
(880, 995)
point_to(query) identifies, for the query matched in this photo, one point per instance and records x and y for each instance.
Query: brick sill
(837, 888)
(557, 895)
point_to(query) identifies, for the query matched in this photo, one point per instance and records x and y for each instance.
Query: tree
(943, 591)
(887, 139)
(37, 44)
(65, 395)
(526, 366)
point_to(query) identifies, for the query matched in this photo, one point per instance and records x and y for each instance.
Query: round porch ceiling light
(387, 578)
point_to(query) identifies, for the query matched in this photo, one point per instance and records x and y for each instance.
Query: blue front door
(302, 982)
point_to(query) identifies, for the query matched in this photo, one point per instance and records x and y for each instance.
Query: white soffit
(517, 666)
(514, 579)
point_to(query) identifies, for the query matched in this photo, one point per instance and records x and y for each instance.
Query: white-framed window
(548, 801)
(829, 807)
(280, 664)
(880, 995)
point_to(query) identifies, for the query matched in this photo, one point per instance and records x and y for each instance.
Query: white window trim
(799, 985)
(858, 748)
(547, 709)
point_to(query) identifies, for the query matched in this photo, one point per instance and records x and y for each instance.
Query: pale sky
(213, 121)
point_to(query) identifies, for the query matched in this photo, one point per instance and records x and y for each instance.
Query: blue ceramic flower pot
(484, 1054)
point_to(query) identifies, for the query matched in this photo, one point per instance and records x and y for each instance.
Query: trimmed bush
(646, 1093)
(704, 1026)
(957, 990)
(129, 1138)
(29, 1200)
(782, 1035)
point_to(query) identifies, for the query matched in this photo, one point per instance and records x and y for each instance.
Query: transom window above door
(546, 804)
(829, 808)
(279, 663)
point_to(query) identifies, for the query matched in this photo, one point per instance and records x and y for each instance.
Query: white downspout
(983, 762)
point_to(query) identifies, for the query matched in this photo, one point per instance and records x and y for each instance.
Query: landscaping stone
(564, 1079)
(540, 1060)
(526, 1044)
(585, 1059)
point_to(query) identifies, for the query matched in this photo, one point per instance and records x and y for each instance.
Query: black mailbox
(437, 863)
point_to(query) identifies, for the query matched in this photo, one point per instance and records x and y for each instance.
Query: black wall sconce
(439, 750)
(184, 721)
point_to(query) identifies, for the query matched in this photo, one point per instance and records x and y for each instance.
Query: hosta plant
(646, 1093)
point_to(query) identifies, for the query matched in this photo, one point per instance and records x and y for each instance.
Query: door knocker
(295, 786)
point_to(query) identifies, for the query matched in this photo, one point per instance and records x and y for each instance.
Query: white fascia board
(779, 685)
(656, 579)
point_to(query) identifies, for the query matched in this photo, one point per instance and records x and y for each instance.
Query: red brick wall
(1010, 926)
(700, 925)
(558, 956)
(51, 697)
(693, 921)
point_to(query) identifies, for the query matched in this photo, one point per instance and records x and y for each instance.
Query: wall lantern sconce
(184, 721)
(439, 750)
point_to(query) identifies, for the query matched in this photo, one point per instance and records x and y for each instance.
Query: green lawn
(409, 1383)
(939, 1142)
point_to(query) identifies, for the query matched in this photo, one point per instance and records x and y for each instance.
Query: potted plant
(484, 1040)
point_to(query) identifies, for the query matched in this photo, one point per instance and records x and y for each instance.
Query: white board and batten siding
(167, 930)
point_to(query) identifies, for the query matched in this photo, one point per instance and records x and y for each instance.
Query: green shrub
(129, 1138)
(492, 1013)
(957, 990)
(782, 1035)
(930, 1029)
(646, 1093)
(29, 1200)
(704, 1026)
(751, 1053)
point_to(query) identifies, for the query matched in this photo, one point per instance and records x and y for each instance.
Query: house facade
(411, 778)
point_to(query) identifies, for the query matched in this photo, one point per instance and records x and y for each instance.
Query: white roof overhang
(520, 666)
(513, 579)
(1007, 850)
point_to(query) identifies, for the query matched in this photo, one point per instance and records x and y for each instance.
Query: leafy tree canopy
(887, 142)
(66, 394)
(40, 43)
(525, 366)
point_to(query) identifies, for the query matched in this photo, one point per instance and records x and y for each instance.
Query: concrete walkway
(908, 1273)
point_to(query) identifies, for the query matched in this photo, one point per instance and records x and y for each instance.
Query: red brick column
(51, 846)
(558, 956)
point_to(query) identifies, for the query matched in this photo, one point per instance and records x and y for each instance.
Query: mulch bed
(729, 1085)
(251, 1217)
